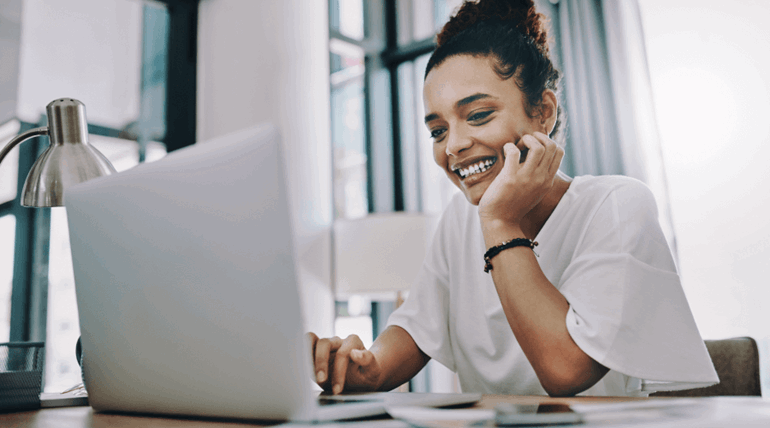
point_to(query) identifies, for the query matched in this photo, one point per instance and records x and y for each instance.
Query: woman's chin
(474, 194)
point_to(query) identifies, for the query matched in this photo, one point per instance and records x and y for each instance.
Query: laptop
(187, 290)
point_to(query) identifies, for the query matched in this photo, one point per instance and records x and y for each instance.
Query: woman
(598, 310)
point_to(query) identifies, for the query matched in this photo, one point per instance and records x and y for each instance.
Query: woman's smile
(475, 170)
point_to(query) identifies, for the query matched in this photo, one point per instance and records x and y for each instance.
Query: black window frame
(383, 56)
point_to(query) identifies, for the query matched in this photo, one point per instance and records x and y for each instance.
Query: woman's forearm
(398, 356)
(536, 312)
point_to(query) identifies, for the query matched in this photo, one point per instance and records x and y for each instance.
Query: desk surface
(722, 409)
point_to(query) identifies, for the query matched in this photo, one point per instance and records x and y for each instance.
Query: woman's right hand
(344, 365)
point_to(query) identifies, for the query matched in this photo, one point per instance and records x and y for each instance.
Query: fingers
(322, 354)
(512, 156)
(535, 151)
(553, 153)
(341, 361)
(362, 357)
(543, 151)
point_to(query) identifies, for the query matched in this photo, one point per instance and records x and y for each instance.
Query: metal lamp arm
(43, 130)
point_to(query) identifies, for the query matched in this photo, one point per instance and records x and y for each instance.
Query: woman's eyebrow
(469, 99)
(465, 101)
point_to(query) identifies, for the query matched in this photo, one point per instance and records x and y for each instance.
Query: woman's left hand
(518, 188)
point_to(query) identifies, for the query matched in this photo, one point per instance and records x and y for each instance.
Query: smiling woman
(598, 311)
(480, 107)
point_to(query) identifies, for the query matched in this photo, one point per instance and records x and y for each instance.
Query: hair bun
(519, 14)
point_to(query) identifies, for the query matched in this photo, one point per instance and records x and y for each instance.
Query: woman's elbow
(567, 382)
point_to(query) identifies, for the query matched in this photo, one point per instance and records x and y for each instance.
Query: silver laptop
(187, 292)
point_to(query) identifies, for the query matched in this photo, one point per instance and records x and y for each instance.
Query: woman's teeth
(475, 168)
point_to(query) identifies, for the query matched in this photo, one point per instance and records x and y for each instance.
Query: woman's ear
(549, 108)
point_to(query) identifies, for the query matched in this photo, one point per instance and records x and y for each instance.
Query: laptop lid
(186, 285)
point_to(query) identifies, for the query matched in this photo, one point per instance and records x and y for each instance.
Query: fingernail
(336, 389)
(321, 376)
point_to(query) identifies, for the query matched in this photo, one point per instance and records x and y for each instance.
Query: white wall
(710, 70)
(268, 60)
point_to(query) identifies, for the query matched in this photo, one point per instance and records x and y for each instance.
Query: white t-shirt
(604, 250)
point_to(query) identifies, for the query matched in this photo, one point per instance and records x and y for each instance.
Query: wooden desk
(83, 417)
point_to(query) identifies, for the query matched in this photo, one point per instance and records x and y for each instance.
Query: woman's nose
(457, 143)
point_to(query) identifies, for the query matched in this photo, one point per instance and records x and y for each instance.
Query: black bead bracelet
(518, 242)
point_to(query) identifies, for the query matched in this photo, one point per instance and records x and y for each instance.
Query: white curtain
(611, 126)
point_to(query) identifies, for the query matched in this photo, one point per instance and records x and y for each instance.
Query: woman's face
(471, 113)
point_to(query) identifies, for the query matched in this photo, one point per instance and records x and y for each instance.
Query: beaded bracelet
(518, 242)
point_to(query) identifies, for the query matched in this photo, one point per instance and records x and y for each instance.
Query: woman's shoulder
(603, 184)
(624, 191)
(612, 198)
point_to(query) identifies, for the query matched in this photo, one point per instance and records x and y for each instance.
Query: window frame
(382, 57)
(29, 290)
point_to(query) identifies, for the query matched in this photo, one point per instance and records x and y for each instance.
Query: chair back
(736, 361)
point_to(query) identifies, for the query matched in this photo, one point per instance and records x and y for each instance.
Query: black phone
(536, 414)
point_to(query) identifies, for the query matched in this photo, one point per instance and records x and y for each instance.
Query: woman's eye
(436, 133)
(478, 116)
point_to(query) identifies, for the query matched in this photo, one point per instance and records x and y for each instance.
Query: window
(8, 189)
(348, 130)
(383, 158)
(147, 60)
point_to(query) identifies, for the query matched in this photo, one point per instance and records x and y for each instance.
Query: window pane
(442, 10)
(63, 329)
(7, 243)
(348, 130)
(408, 98)
(422, 19)
(9, 168)
(347, 17)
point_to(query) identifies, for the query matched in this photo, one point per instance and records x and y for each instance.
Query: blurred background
(673, 92)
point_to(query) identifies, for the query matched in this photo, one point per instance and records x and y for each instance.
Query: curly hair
(511, 32)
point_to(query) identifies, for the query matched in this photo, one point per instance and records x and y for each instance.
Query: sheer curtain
(611, 126)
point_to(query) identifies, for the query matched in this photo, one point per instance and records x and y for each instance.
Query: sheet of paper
(677, 413)
(383, 423)
(427, 417)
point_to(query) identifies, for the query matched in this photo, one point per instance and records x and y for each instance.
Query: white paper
(420, 414)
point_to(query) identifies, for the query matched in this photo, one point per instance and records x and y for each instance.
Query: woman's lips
(474, 168)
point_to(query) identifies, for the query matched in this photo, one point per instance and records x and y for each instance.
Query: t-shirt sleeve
(628, 310)
(425, 313)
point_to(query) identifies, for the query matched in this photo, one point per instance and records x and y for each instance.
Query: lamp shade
(69, 160)
(380, 254)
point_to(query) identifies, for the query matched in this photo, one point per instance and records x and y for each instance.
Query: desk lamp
(69, 160)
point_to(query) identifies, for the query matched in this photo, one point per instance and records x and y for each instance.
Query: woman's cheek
(495, 136)
(439, 155)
